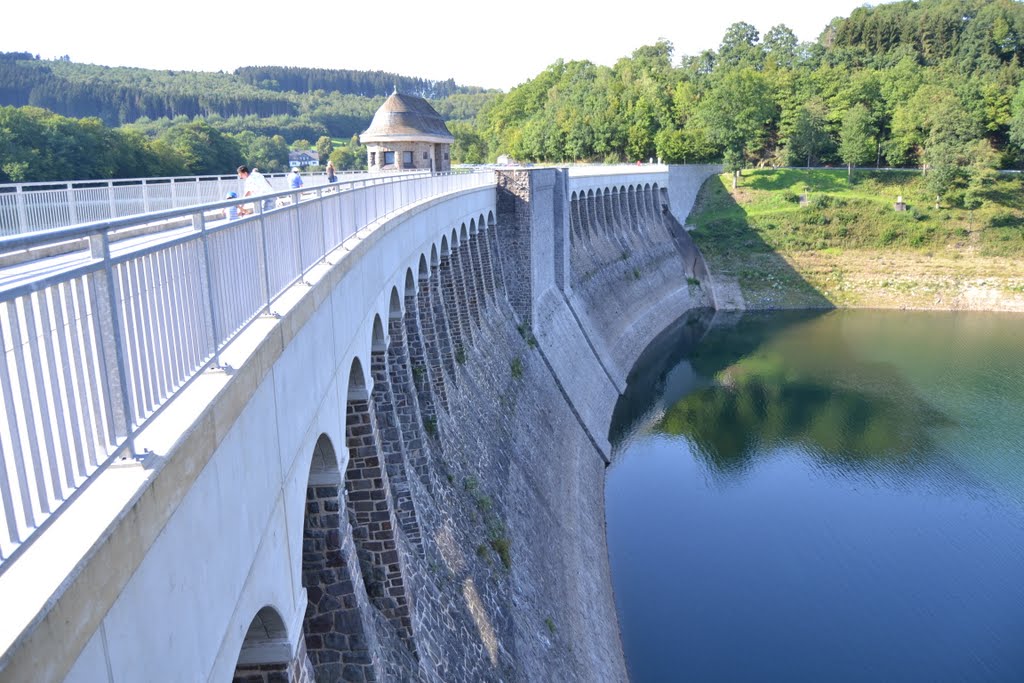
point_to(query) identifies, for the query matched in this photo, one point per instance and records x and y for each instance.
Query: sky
(488, 44)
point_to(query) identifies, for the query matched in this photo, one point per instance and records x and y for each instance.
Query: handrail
(46, 205)
(95, 342)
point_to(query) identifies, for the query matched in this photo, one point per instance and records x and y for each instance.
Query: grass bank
(845, 244)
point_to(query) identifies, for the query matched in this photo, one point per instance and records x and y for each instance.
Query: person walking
(332, 177)
(294, 179)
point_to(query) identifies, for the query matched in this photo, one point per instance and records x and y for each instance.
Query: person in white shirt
(255, 185)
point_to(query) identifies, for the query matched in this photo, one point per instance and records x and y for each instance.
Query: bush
(1005, 219)
(888, 236)
(820, 201)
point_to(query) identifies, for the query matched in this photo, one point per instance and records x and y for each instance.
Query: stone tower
(407, 134)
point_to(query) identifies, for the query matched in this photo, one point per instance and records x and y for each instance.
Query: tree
(981, 174)
(204, 148)
(809, 138)
(780, 47)
(857, 139)
(740, 48)
(957, 163)
(739, 116)
(324, 147)
(469, 146)
(1017, 117)
(269, 154)
(349, 157)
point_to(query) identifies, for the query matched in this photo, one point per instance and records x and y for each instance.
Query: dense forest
(934, 84)
(286, 101)
(365, 83)
(63, 120)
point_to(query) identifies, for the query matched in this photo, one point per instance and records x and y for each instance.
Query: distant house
(307, 157)
(407, 134)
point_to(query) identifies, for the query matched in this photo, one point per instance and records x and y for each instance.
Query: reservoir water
(822, 497)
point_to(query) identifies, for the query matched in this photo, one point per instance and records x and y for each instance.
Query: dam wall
(403, 478)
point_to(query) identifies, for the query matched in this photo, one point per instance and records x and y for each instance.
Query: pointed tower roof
(406, 118)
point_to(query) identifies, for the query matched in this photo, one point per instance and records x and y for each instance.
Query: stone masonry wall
(468, 540)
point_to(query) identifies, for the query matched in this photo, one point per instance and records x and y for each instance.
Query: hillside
(901, 84)
(847, 246)
(336, 102)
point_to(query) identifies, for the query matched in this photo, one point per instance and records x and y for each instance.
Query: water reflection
(811, 497)
(863, 415)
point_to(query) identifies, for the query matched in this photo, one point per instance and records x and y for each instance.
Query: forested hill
(365, 83)
(974, 33)
(935, 84)
(119, 95)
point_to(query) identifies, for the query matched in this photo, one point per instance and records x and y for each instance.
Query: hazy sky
(468, 41)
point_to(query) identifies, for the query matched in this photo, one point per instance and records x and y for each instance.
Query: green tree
(324, 147)
(204, 149)
(781, 47)
(857, 139)
(740, 47)
(469, 146)
(739, 115)
(955, 163)
(810, 137)
(350, 157)
(269, 154)
(1017, 117)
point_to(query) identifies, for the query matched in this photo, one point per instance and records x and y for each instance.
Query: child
(231, 212)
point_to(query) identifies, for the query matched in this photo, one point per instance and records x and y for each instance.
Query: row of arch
(608, 225)
(360, 522)
(615, 210)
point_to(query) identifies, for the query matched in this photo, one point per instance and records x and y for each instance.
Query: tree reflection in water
(792, 381)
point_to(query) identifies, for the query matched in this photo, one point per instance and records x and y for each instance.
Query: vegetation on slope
(848, 246)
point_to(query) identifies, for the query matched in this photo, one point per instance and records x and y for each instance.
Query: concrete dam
(401, 478)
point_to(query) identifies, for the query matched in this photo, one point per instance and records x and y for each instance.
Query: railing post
(19, 203)
(110, 199)
(115, 375)
(323, 221)
(72, 206)
(266, 253)
(296, 230)
(199, 223)
(145, 196)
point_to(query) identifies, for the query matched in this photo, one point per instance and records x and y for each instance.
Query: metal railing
(30, 207)
(94, 343)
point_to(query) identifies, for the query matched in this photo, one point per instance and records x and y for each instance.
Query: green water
(834, 497)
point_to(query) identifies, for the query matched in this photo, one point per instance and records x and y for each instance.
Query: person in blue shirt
(294, 179)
